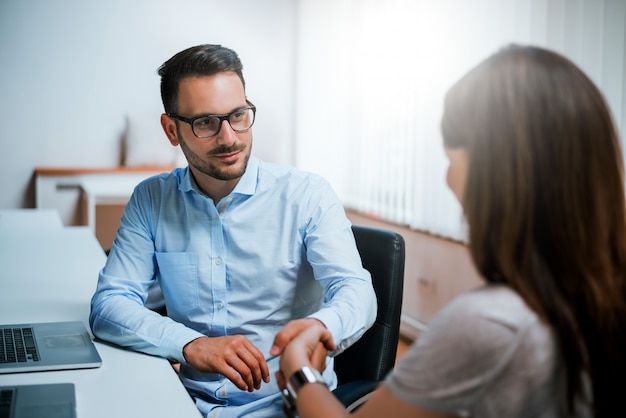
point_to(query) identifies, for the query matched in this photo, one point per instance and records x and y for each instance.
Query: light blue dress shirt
(278, 247)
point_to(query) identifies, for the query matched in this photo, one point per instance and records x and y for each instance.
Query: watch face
(301, 378)
(289, 403)
(292, 391)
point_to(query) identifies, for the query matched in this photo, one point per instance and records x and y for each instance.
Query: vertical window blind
(371, 77)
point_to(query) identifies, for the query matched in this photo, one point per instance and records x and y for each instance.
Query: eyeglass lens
(239, 120)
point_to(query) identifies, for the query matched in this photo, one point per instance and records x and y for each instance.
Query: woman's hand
(302, 351)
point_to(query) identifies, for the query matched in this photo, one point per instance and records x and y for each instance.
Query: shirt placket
(218, 271)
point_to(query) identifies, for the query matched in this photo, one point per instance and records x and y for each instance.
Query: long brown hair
(545, 205)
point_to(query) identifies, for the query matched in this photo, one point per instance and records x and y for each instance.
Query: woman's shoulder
(493, 317)
(469, 345)
(492, 302)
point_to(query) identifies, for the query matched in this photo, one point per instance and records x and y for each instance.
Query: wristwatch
(294, 383)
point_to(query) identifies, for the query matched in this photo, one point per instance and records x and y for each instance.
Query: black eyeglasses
(206, 126)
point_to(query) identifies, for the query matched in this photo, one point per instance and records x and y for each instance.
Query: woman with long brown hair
(536, 164)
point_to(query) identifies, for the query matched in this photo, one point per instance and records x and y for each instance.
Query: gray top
(485, 355)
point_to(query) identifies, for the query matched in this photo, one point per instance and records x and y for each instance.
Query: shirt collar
(249, 180)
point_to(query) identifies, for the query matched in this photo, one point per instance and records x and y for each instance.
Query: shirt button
(218, 261)
(220, 305)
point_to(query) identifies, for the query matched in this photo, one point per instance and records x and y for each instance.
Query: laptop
(46, 346)
(50, 400)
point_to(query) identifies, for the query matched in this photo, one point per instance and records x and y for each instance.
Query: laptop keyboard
(17, 345)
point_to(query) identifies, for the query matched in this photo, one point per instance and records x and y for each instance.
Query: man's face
(225, 155)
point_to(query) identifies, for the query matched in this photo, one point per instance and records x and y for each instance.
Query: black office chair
(362, 366)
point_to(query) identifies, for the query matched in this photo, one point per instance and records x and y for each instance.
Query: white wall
(71, 69)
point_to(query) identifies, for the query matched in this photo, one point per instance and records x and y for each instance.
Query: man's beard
(220, 174)
(212, 170)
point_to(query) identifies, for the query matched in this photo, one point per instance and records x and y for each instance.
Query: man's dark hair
(197, 61)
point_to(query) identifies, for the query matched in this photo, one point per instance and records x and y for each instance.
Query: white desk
(30, 218)
(50, 274)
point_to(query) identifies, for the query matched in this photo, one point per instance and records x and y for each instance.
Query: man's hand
(234, 357)
(291, 331)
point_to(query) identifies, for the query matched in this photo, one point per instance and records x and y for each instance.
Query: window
(371, 77)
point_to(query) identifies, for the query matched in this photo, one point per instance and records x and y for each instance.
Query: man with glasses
(248, 254)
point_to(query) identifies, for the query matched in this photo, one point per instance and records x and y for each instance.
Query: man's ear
(169, 127)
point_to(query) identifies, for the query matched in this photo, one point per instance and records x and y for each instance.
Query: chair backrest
(373, 356)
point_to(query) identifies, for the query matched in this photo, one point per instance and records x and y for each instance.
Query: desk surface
(49, 274)
(30, 218)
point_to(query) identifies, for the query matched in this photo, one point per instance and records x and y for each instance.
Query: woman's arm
(316, 401)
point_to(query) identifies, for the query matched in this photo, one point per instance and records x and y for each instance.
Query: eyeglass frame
(222, 117)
